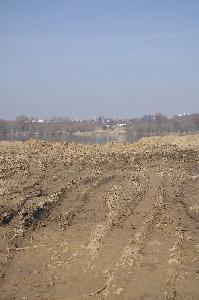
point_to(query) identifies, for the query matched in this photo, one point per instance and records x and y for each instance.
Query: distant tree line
(147, 125)
(30, 126)
(159, 124)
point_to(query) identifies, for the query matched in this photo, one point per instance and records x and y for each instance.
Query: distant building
(38, 121)
(184, 114)
(121, 125)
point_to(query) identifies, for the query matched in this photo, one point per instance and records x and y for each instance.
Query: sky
(85, 58)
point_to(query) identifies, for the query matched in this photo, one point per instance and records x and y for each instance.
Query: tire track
(131, 253)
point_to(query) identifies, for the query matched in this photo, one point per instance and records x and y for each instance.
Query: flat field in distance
(113, 221)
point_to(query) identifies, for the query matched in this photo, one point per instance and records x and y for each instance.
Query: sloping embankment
(115, 221)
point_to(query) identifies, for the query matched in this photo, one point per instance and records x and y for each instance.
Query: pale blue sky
(87, 58)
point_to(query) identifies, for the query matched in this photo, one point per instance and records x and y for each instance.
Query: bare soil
(115, 221)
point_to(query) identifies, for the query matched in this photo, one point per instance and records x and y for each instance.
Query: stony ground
(115, 221)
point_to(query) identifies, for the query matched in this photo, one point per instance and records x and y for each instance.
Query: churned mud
(115, 221)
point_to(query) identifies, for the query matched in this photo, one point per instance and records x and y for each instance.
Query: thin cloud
(154, 39)
(167, 37)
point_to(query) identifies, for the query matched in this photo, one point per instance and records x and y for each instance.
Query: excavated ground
(115, 221)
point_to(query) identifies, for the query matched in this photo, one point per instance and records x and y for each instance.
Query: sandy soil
(115, 221)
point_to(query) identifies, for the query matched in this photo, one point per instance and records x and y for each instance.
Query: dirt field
(115, 221)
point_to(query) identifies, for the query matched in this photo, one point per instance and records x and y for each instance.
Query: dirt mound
(114, 221)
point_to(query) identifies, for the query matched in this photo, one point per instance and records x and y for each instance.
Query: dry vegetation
(115, 221)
